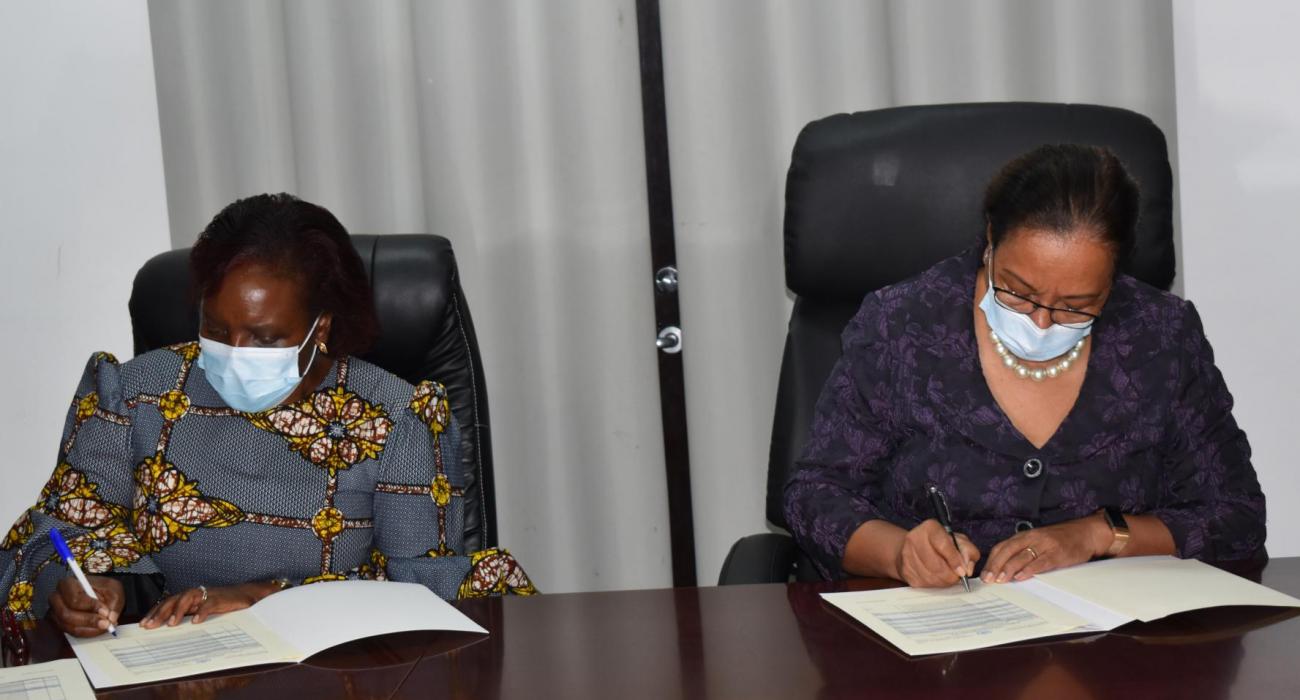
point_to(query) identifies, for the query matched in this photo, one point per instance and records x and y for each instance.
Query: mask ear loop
(309, 364)
(988, 267)
(314, 347)
(198, 332)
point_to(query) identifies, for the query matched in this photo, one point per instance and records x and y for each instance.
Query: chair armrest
(764, 558)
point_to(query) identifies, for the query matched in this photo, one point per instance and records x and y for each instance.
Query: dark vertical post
(663, 253)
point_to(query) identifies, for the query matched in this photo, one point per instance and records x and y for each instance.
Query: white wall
(1239, 146)
(82, 205)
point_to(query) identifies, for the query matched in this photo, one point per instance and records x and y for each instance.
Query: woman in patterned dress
(202, 477)
(1066, 411)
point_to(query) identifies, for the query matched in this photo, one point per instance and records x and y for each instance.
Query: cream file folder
(1094, 597)
(289, 626)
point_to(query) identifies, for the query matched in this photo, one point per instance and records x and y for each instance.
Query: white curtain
(514, 129)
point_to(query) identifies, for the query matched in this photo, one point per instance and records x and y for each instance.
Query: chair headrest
(876, 197)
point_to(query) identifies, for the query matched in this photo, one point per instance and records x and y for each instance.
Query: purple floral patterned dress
(907, 405)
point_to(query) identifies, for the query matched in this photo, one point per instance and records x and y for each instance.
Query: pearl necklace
(1038, 375)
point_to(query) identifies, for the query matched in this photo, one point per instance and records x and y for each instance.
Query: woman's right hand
(928, 559)
(76, 613)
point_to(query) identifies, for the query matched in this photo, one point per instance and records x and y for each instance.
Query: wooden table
(767, 641)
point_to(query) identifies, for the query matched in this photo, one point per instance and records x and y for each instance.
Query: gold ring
(204, 590)
(1031, 551)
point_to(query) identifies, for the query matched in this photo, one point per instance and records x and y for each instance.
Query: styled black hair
(303, 242)
(1065, 188)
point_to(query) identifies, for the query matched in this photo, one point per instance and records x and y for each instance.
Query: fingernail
(1002, 577)
(959, 572)
(1021, 577)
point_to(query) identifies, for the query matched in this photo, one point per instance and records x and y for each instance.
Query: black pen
(941, 514)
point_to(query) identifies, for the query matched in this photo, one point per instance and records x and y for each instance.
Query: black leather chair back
(876, 197)
(425, 333)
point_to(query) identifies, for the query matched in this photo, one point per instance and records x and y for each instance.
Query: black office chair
(876, 197)
(425, 333)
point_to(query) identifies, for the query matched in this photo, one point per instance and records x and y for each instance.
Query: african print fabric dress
(157, 475)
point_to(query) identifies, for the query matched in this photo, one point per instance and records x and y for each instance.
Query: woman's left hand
(1045, 548)
(171, 610)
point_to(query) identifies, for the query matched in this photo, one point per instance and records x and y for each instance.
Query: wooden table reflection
(767, 641)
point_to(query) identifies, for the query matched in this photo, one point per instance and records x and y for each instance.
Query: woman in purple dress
(1065, 410)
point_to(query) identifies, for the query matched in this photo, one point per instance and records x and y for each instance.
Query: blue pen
(71, 562)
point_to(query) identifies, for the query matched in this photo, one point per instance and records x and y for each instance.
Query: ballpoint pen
(75, 568)
(945, 519)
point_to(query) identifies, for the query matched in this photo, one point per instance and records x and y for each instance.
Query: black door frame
(663, 253)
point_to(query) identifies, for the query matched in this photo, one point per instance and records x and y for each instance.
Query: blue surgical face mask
(1023, 337)
(253, 379)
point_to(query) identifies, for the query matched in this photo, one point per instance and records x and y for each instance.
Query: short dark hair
(1064, 188)
(302, 241)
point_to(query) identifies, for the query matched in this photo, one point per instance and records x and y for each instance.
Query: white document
(56, 680)
(1097, 596)
(286, 627)
(933, 621)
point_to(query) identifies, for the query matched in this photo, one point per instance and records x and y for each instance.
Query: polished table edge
(408, 650)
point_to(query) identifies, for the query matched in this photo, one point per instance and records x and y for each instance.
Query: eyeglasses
(1009, 300)
(13, 641)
